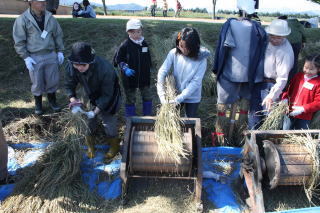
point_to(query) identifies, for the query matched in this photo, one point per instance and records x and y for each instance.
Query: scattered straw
(274, 120)
(311, 145)
(54, 183)
(168, 130)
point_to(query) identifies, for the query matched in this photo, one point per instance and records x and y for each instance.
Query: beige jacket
(27, 35)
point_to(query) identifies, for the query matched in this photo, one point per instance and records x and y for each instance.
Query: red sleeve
(294, 81)
(315, 104)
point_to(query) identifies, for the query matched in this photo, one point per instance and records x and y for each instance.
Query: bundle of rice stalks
(168, 130)
(315, 122)
(54, 183)
(209, 84)
(311, 187)
(274, 120)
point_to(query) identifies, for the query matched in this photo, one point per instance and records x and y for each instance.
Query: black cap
(82, 53)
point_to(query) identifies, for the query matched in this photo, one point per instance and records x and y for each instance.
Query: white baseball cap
(246, 5)
(133, 24)
(278, 27)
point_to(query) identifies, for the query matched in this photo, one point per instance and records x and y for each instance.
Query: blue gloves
(127, 71)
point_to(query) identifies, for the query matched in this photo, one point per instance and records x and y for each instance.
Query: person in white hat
(38, 40)
(278, 61)
(133, 58)
(238, 54)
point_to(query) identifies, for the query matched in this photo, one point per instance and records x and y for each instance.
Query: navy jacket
(138, 58)
(259, 41)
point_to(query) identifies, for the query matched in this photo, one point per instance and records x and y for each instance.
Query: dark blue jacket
(259, 41)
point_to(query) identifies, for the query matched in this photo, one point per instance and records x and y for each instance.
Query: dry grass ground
(105, 35)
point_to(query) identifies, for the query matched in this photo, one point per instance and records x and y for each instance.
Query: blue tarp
(94, 174)
(91, 169)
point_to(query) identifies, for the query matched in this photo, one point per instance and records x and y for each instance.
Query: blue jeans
(294, 123)
(257, 112)
(191, 109)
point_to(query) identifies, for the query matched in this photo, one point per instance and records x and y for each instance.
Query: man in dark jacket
(238, 64)
(134, 60)
(100, 82)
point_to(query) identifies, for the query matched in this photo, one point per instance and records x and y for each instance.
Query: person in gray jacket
(100, 83)
(38, 40)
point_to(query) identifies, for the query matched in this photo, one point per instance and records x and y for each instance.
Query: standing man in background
(52, 6)
(38, 40)
(153, 7)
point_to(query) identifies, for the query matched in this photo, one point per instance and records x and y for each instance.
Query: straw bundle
(168, 130)
(54, 183)
(311, 145)
(274, 120)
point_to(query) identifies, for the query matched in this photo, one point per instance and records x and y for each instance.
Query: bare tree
(214, 2)
(104, 7)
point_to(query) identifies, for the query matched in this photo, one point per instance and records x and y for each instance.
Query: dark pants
(296, 50)
(165, 13)
(191, 109)
(3, 155)
(153, 10)
(290, 123)
(258, 112)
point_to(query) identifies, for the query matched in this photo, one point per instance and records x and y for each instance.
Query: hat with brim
(133, 24)
(278, 27)
(81, 53)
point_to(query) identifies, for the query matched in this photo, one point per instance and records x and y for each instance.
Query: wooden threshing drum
(296, 165)
(144, 154)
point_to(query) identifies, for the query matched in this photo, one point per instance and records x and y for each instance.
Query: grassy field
(17, 103)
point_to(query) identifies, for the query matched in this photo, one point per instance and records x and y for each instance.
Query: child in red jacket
(303, 95)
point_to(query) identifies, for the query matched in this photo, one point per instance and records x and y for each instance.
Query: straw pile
(168, 130)
(274, 120)
(54, 183)
(311, 187)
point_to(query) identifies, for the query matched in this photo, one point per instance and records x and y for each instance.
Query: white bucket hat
(278, 27)
(133, 24)
(246, 5)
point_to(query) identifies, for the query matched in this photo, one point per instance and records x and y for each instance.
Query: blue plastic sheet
(221, 194)
(92, 169)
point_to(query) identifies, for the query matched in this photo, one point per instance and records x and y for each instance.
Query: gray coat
(27, 35)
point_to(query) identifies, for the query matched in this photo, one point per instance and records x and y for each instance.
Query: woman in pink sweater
(303, 95)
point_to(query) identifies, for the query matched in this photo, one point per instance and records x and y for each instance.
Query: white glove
(90, 114)
(76, 109)
(297, 110)
(29, 63)
(60, 57)
(285, 101)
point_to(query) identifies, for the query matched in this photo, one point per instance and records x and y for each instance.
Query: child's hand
(297, 110)
(129, 72)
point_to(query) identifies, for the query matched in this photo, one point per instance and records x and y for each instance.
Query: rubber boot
(52, 102)
(130, 110)
(38, 105)
(90, 141)
(147, 108)
(114, 147)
